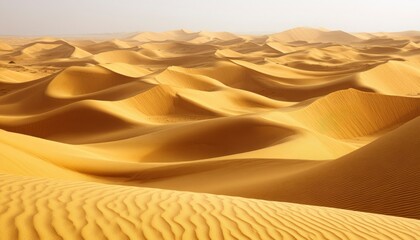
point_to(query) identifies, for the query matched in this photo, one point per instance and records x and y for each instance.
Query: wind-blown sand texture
(303, 134)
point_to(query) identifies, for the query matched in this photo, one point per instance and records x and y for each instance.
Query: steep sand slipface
(52, 209)
(306, 116)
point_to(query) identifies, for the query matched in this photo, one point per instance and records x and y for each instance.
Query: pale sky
(59, 17)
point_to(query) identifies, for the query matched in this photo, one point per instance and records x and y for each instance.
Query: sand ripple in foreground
(36, 208)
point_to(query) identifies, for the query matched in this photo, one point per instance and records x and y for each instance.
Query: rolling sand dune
(355, 181)
(393, 78)
(48, 50)
(315, 35)
(106, 46)
(11, 76)
(82, 210)
(121, 56)
(82, 81)
(100, 137)
(351, 113)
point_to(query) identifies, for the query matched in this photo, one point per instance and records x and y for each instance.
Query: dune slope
(36, 208)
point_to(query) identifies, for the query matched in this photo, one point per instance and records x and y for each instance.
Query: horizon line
(256, 33)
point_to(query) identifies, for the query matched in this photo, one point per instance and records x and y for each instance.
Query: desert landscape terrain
(303, 134)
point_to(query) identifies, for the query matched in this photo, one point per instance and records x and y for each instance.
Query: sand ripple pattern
(37, 208)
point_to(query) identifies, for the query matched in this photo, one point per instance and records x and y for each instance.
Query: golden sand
(304, 134)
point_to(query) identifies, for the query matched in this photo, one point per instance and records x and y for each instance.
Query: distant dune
(304, 134)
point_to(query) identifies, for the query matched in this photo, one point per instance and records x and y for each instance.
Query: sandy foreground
(303, 134)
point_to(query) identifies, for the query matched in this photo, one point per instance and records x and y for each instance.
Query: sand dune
(164, 100)
(65, 122)
(225, 36)
(351, 113)
(202, 140)
(11, 76)
(181, 77)
(126, 69)
(5, 47)
(357, 181)
(45, 50)
(177, 35)
(314, 35)
(385, 169)
(82, 81)
(82, 210)
(106, 46)
(305, 116)
(121, 56)
(177, 48)
(412, 35)
(393, 78)
(297, 34)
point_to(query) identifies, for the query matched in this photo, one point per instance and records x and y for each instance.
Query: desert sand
(304, 134)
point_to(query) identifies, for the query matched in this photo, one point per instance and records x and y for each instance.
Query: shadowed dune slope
(380, 177)
(126, 69)
(65, 122)
(163, 100)
(79, 81)
(201, 140)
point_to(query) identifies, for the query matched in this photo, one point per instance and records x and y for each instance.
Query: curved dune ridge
(82, 210)
(351, 113)
(65, 122)
(80, 81)
(106, 46)
(93, 130)
(393, 78)
(45, 50)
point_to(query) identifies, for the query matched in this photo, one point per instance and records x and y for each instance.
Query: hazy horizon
(47, 17)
